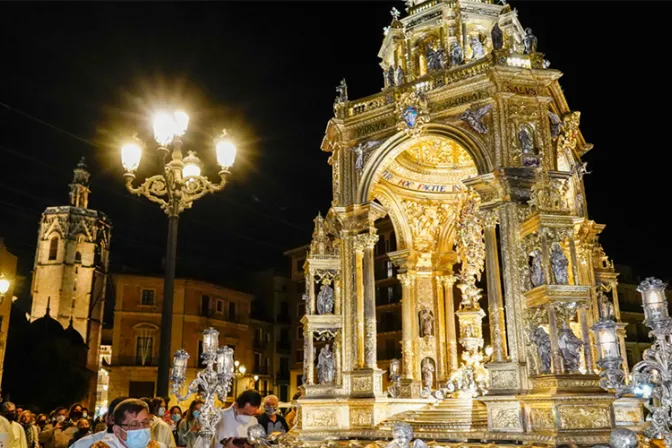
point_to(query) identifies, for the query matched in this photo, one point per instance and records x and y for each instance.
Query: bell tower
(71, 267)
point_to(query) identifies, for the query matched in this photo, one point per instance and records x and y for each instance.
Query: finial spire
(79, 188)
(395, 13)
(48, 310)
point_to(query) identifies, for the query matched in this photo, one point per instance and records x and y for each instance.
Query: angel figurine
(402, 435)
(435, 58)
(342, 92)
(475, 118)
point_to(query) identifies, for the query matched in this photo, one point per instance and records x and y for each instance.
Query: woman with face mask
(173, 417)
(27, 420)
(271, 419)
(83, 430)
(187, 429)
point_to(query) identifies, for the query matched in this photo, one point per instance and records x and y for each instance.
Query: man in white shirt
(86, 442)
(161, 431)
(236, 419)
(8, 411)
(131, 428)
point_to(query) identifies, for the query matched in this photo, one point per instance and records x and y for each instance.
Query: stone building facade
(71, 267)
(8, 268)
(197, 306)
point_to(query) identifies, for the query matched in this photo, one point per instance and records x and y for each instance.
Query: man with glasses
(231, 431)
(86, 442)
(131, 429)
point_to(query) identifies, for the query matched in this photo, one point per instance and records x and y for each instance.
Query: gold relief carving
(362, 384)
(365, 241)
(503, 379)
(320, 418)
(424, 292)
(506, 418)
(628, 415)
(584, 417)
(426, 219)
(415, 105)
(360, 417)
(460, 100)
(406, 279)
(569, 135)
(542, 418)
(440, 152)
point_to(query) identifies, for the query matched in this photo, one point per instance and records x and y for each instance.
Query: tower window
(78, 257)
(147, 297)
(53, 248)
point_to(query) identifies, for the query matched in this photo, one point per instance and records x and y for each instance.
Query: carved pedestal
(366, 383)
(506, 378)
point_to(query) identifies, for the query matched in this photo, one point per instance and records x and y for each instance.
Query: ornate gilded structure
(474, 154)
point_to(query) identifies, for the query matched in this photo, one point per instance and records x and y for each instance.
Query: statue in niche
(497, 37)
(342, 92)
(389, 77)
(478, 51)
(559, 265)
(435, 58)
(530, 41)
(536, 270)
(426, 323)
(400, 76)
(402, 435)
(456, 55)
(606, 307)
(427, 374)
(526, 142)
(325, 366)
(542, 340)
(325, 300)
(570, 349)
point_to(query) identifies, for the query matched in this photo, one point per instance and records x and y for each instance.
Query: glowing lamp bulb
(181, 122)
(237, 363)
(4, 284)
(131, 154)
(242, 369)
(226, 150)
(256, 378)
(488, 350)
(165, 128)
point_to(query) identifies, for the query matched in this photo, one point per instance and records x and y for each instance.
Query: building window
(53, 248)
(390, 294)
(257, 363)
(78, 257)
(299, 333)
(299, 356)
(205, 305)
(390, 269)
(220, 306)
(143, 350)
(301, 307)
(232, 311)
(147, 297)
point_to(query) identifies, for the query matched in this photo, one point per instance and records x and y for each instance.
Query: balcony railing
(135, 361)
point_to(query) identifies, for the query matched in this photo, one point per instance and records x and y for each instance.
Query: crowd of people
(141, 423)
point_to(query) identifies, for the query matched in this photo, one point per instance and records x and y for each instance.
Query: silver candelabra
(214, 380)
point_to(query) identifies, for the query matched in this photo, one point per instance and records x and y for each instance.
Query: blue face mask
(196, 414)
(176, 417)
(138, 438)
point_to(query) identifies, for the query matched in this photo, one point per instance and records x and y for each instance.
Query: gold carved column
(407, 280)
(556, 359)
(448, 282)
(309, 359)
(585, 335)
(495, 300)
(368, 241)
(359, 300)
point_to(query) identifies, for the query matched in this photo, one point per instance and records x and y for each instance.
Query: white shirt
(113, 442)
(161, 432)
(20, 440)
(6, 433)
(229, 426)
(87, 441)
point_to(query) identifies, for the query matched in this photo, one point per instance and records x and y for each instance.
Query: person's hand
(196, 428)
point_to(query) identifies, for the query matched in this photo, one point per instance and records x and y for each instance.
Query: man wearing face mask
(8, 410)
(131, 429)
(161, 431)
(271, 419)
(87, 441)
(59, 434)
(235, 420)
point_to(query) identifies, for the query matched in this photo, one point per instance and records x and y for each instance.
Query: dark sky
(93, 72)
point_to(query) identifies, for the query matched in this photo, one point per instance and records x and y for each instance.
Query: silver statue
(389, 77)
(325, 300)
(402, 435)
(436, 59)
(394, 12)
(556, 124)
(497, 37)
(427, 374)
(475, 118)
(362, 153)
(543, 342)
(546, 64)
(536, 270)
(606, 307)
(530, 41)
(559, 265)
(426, 323)
(456, 55)
(526, 142)
(342, 92)
(400, 76)
(478, 51)
(570, 349)
(623, 438)
(325, 366)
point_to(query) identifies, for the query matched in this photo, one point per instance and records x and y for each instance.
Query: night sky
(79, 77)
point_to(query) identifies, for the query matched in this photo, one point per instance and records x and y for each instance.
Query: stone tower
(71, 267)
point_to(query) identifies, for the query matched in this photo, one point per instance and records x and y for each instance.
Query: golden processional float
(473, 153)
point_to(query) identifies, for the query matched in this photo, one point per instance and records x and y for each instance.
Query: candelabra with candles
(214, 380)
(651, 378)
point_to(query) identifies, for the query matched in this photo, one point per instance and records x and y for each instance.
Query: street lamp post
(174, 190)
(4, 287)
